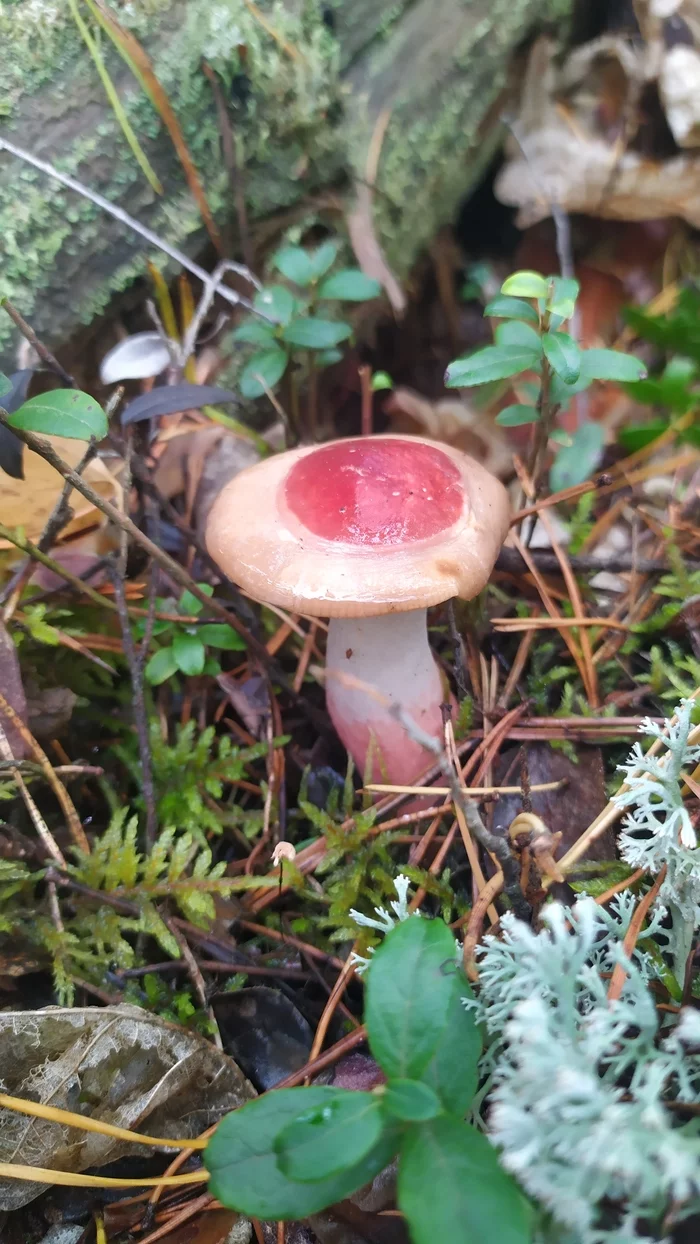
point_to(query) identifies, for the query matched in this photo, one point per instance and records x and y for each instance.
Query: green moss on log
(303, 119)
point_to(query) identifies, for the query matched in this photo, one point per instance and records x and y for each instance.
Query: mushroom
(368, 532)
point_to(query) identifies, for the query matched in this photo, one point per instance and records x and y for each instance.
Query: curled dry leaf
(199, 462)
(566, 160)
(368, 251)
(139, 357)
(28, 502)
(116, 1064)
(453, 421)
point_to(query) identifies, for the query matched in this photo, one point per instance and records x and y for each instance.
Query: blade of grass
(140, 65)
(166, 309)
(53, 1114)
(184, 290)
(41, 1175)
(111, 93)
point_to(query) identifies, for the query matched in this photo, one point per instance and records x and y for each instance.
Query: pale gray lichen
(579, 1107)
(383, 921)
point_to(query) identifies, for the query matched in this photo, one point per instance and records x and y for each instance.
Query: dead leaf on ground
(118, 1064)
(199, 462)
(453, 421)
(570, 158)
(28, 502)
(368, 251)
(568, 810)
(264, 1031)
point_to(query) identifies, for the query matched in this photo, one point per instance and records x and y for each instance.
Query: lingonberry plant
(530, 339)
(300, 323)
(295, 1151)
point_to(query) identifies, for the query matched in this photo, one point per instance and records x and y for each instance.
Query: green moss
(432, 156)
(302, 120)
(282, 121)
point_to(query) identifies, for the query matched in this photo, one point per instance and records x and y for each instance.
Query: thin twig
(124, 218)
(64, 799)
(619, 975)
(494, 843)
(458, 663)
(40, 825)
(44, 354)
(45, 450)
(330, 1007)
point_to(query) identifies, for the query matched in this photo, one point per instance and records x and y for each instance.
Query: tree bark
(307, 86)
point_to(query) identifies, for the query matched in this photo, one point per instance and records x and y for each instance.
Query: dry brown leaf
(118, 1064)
(201, 461)
(454, 421)
(564, 160)
(28, 502)
(368, 251)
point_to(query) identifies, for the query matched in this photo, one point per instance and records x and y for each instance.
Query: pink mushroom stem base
(391, 655)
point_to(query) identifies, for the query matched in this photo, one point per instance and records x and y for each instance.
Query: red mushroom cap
(368, 525)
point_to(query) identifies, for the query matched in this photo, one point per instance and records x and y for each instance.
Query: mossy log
(305, 82)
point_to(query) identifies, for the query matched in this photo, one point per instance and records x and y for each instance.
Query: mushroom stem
(390, 654)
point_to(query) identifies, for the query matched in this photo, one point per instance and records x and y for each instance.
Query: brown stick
(46, 451)
(618, 977)
(59, 790)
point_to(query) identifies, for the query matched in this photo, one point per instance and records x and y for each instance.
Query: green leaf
(578, 461)
(411, 1101)
(409, 994)
(350, 285)
(255, 332)
(326, 358)
(611, 365)
(453, 1070)
(295, 264)
(62, 412)
(514, 416)
(323, 258)
(219, 635)
(189, 653)
(276, 302)
(690, 436)
(515, 333)
(673, 389)
(560, 437)
(265, 365)
(526, 285)
(563, 355)
(161, 666)
(639, 435)
(562, 300)
(503, 307)
(492, 363)
(188, 602)
(244, 1173)
(451, 1187)
(5, 384)
(311, 333)
(381, 380)
(561, 393)
(327, 1138)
